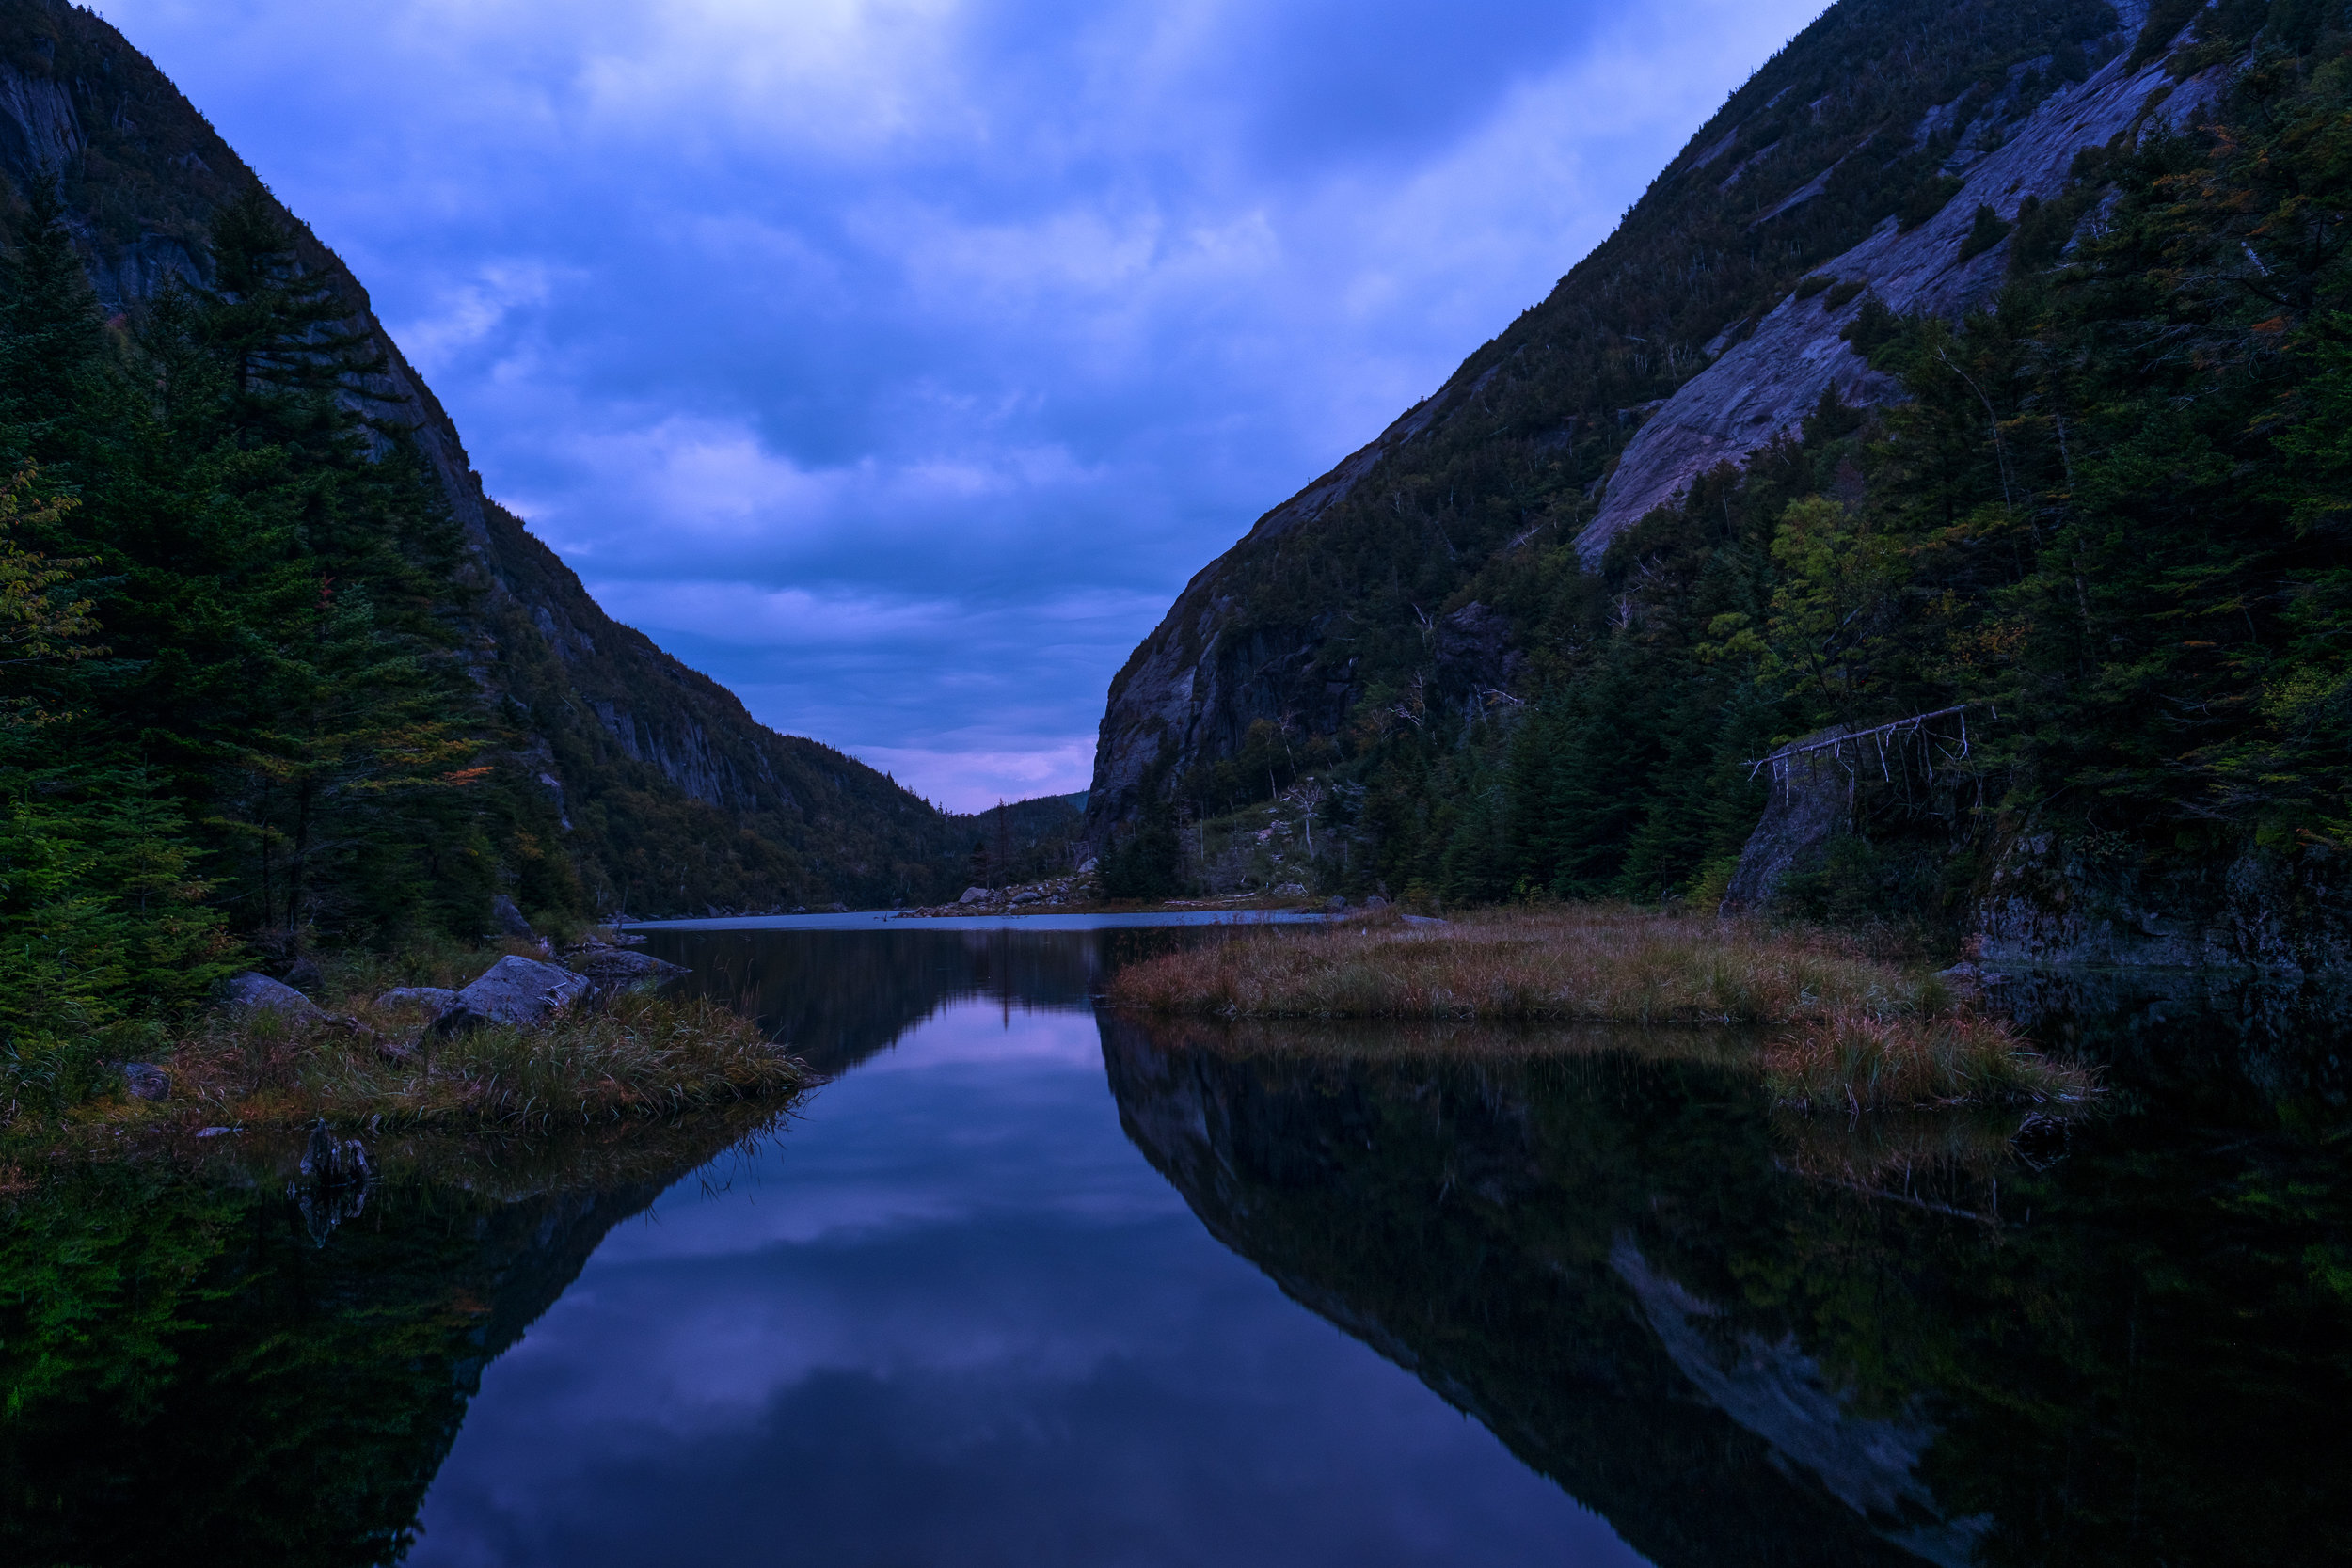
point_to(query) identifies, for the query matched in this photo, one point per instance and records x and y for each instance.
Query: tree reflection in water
(1747, 1338)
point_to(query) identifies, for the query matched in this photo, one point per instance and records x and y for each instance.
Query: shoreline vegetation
(369, 1046)
(1855, 1033)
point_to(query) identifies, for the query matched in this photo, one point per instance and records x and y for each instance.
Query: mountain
(659, 788)
(1972, 366)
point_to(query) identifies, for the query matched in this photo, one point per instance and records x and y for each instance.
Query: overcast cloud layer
(897, 362)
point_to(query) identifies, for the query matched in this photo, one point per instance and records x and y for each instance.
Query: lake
(1026, 1283)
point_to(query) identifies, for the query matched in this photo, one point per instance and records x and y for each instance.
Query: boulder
(1336, 905)
(618, 966)
(1027, 896)
(1811, 802)
(252, 992)
(146, 1081)
(435, 997)
(515, 991)
(510, 919)
(973, 896)
(305, 976)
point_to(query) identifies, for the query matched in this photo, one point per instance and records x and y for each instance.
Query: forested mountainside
(278, 671)
(1984, 361)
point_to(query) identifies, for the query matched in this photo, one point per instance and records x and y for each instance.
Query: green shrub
(1988, 229)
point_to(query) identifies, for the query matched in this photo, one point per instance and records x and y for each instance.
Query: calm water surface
(1024, 1284)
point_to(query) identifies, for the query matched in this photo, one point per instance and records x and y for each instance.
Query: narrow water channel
(951, 1315)
(1028, 1283)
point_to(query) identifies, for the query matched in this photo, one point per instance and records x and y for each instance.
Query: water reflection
(1024, 1285)
(837, 997)
(2131, 1350)
(198, 1370)
(956, 1319)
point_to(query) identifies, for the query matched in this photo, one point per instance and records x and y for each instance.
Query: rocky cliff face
(639, 749)
(1762, 385)
(1860, 154)
(2092, 902)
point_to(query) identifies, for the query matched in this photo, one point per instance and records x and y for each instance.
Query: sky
(897, 362)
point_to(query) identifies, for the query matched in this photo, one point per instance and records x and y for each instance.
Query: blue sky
(896, 361)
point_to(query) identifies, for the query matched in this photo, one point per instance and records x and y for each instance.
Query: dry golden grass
(1575, 963)
(1337, 1039)
(635, 1055)
(1850, 1060)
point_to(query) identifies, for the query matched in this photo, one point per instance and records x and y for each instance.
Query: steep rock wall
(1677, 345)
(1763, 387)
(2076, 903)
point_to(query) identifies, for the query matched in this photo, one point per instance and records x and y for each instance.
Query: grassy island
(1858, 1032)
(363, 1059)
(630, 1057)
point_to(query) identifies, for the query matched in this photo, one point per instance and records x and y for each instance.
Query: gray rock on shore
(436, 997)
(146, 1081)
(617, 966)
(515, 991)
(251, 992)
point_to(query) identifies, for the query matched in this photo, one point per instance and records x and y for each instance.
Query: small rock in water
(146, 1081)
(330, 1161)
(250, 992)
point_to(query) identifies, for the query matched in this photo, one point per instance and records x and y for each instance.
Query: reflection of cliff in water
(207, 1374)
(837, 997)
(1609, 1261)
(1468, 1221)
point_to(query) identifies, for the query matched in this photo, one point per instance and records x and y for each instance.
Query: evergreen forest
(236, 703)
(2106, 532)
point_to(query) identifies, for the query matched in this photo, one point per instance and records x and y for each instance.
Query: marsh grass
(1423, 1039)
(1563, 964)
(1851, 1061)
(633, 1056)
(1868, 1035)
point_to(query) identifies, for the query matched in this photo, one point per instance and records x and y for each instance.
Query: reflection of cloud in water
(837, 997)
(950, 1316)
(1008, 1033)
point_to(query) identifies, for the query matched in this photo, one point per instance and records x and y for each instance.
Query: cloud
(851, 344)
